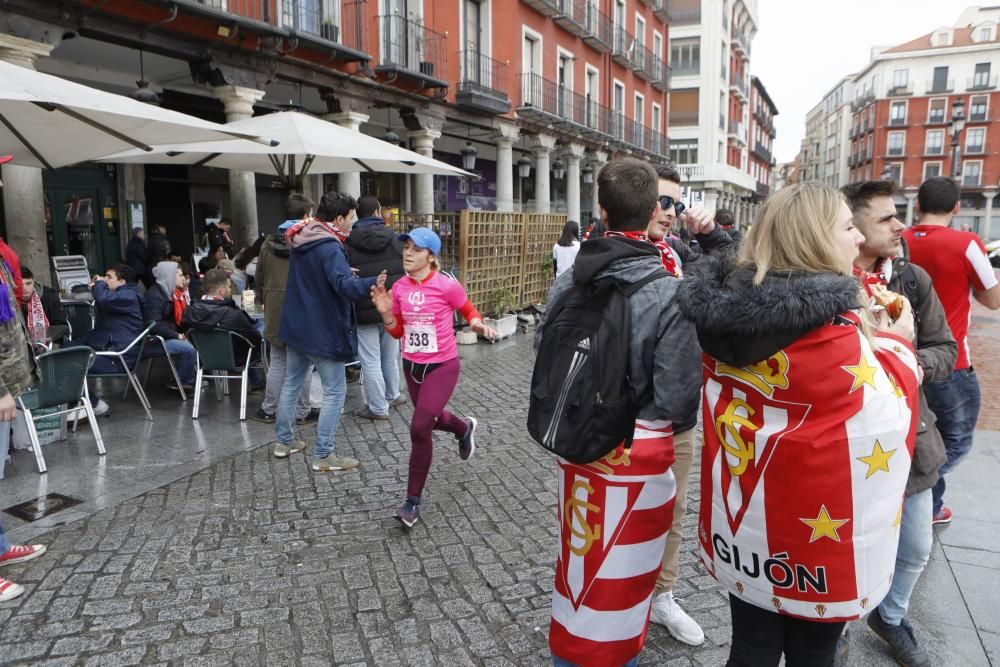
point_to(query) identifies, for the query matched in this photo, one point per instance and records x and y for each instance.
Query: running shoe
(313, 416)
(944, 516)
(20, 553)
(409, 513)
(9, 590)
(467, 443)
(332, 462)
(282, 450)
(366, 413)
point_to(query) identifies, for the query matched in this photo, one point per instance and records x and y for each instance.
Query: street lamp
(558, 169)
(469, 154)
(588, 174)
(956, 125)
(523, 170)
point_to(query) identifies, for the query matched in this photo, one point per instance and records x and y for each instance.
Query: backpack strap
(911, 290)
(632, 288)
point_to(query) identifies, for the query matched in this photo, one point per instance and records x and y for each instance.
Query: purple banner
(451, 193)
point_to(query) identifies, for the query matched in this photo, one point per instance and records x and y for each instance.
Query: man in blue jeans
(164, 305)
(957, 262)
(882, 260)
(318, 325)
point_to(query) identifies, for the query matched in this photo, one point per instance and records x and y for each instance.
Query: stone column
(987, 221)
(574, 153)
(239, 102)
(505, 136)
(911, 197)
(597, 162)
(350, 181)
(23, 197)
(542, 145)
(423, 143)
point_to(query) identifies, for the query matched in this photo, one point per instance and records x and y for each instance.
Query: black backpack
(583, 404)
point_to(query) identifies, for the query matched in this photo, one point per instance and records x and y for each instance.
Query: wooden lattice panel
(492, 243)
(542, 230)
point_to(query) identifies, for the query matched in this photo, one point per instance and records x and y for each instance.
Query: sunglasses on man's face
(666, 201)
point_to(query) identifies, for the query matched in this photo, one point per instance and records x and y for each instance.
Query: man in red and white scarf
(43, 313)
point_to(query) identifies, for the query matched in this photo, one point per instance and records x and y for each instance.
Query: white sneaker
(669, 614)
(101, 408)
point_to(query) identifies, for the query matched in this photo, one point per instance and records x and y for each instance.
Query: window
(983, 33)
(939, 84)
(981, 79)
(656, 120)
(685, 57)
(897, 113)
(972, 170)
(684, 151)
(934, 145)
(900, 78)
(638, 109)
(977, 107)
(658, 45)
(895, 173)
(936, 110)
(684, 107)
(932, 170)
(640, 31)
(975, 139)
(895, 143)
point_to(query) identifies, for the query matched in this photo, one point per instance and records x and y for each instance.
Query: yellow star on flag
(877, 460)
(896, 388)
(824, 526)
(864, 373)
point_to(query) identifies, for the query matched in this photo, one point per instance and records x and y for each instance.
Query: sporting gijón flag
(804, 467)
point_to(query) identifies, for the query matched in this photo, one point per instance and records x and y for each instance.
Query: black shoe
(901, 641)
(313, 416)
(263, 417)
(467, 443)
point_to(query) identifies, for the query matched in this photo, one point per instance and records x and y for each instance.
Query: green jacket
(17, 363)
(270, 282)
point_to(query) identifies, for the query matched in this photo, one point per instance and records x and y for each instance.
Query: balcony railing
(409, 48)
(621, 50)
(975, 149)
(648, 65)
(572, 16)
(738, 84)
(982, 82)
(898, 122)
(761, 152)
(736, 131)
(894, 151)
(329, 23)
(546, 7)
(661, 9)
(901, 89)
(741, 42)
(862, 101)
(484, 85)
(598, 28)
(763, 189)
(978, 117)
(941, 86)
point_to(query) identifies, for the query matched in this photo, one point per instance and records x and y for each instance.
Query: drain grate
(41, 507)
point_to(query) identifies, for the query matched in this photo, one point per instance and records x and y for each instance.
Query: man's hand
(699, 221)
(8, 409)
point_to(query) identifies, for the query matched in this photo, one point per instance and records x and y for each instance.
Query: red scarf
(334, 229)
(38, 323)
(876, 277)
(180, 303)
(670, 261)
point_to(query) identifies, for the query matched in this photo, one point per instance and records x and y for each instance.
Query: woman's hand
(903, 326)
(8, 409)
(381, 297)
(486, 332)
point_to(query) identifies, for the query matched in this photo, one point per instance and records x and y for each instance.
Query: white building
(710, 45)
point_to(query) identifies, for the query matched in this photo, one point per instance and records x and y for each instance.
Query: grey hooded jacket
(664, 348)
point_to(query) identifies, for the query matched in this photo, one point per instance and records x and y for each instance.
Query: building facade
(711, 104)
(761, 143)
(544, 92)
(920, 109)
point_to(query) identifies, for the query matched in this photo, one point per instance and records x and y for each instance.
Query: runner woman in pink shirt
(420, 310)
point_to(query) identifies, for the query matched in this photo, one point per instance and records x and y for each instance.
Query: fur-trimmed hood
(740, 323)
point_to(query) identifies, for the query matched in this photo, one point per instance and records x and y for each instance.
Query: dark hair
(669, 173)
(596, 229)
(124, 272)
(206, 264)
(185, 268)
(860, 194)
(367, 205)
(215, 248)
(724, 216)
(570, 233)
(248, 255)
(298, 206)
(213, 280)
(626, 190)
(26, 273)
(937, 195)
(226, 220)
(335, 204)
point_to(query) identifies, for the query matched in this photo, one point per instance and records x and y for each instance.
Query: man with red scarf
(164, 303)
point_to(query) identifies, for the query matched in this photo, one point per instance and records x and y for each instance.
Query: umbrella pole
(24, 142)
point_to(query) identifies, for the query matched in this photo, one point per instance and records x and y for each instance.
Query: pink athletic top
(423, 312)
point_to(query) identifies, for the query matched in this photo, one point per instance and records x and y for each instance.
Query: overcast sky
(804, 47)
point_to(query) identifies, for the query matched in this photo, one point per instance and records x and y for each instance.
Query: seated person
(117, 322)
(43, 313)
(217, 310)
(205, 264)
(164, 304)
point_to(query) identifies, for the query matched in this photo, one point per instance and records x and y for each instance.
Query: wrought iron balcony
(862, 101)
(621, 51)
(546, 7)
(737, 131)
(763, 189)
(982, 82)
(944, 86)
(741, 42)
(412, 51)
(341, 30)
(761, 152)
(572, 16)
(599, 28)
(645, 63)
(900, 90)
(661, 9)
(484, 84)
(738, 85)
(662, 78)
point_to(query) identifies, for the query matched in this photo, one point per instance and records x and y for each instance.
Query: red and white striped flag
(803, 471)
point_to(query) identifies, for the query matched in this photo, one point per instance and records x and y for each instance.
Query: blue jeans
(5, 428)
(916, 537)
(379, 354)
(331, 375)
(955, 402)
(182, 353)
(559, 662)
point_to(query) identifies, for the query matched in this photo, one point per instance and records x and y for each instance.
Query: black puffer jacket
(372, 247)
(209, 314)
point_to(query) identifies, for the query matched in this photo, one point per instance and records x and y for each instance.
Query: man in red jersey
(957, 263)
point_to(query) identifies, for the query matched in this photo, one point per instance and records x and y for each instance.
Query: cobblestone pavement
(256, 560)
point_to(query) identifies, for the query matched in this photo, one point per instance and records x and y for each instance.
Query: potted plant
(502, 301)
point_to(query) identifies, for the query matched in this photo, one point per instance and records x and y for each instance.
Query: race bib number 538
(420, 338)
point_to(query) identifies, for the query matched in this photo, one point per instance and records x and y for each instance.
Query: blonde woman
(809, 409)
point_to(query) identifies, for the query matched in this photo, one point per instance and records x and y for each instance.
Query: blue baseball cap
(423, 237)
(286, 224)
